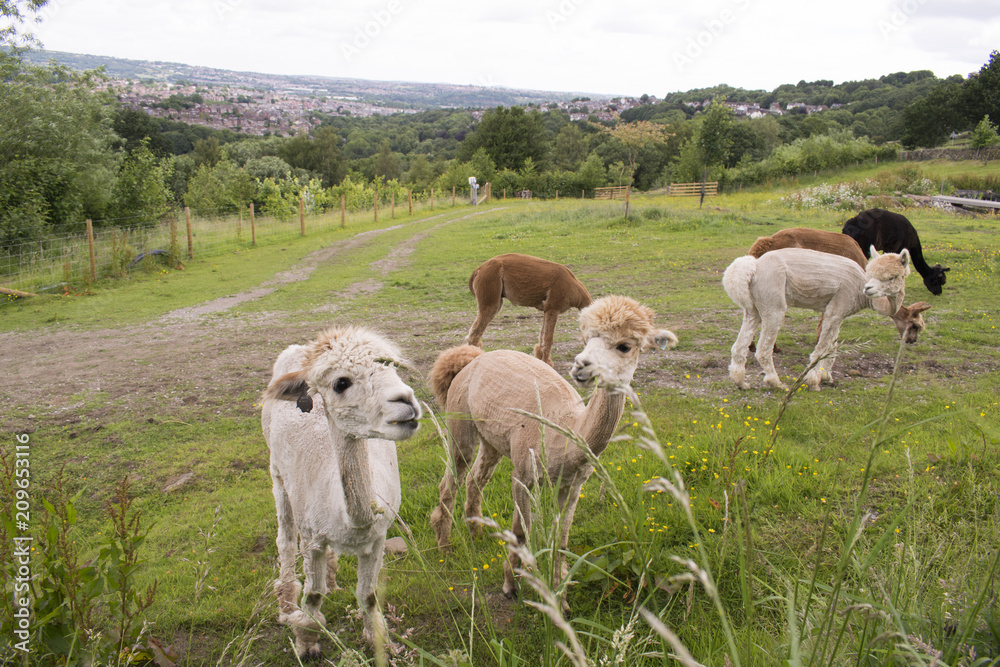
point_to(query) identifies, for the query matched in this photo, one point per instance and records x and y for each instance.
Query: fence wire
(62, 259)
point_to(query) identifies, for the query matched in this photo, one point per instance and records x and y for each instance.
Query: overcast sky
(627, 47)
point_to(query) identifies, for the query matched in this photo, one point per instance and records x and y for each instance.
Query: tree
(571, 147)
(509, 137)
(16, 13)
(387, 162)
(981, 92)
(635, 137)
(928, 121)
(57, 163)
(714, 139)
(137, 128)
(984, 135)
(141, 191)
(223, 188)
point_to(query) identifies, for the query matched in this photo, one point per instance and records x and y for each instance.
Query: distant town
(262, 104)
(293, 111)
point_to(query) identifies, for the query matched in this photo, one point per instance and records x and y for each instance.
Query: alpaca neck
(885, 305)
(917, 257)
(355, 478)
(600, 419)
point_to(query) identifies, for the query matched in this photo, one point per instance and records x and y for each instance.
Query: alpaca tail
(761, 245)
(449, 364)
(736, 281)
(472, 279)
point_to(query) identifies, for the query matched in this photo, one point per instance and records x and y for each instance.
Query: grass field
(857, 525)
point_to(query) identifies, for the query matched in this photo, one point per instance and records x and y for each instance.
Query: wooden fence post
(302, 214)
(93, 253)
(583, 194)
(375, 200)
(253, 226)
(409, 196)
(557, 195)
(453, 196)
(489, 192)
(392, 204)
(432, 198)
(187, 214)
(343, 211)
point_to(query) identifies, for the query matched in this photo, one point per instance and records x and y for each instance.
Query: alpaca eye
(341, 385)
(623, 347)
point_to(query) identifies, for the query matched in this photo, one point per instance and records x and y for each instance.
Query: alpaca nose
(408, 400)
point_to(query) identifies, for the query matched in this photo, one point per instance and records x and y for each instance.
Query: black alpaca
(891, 232)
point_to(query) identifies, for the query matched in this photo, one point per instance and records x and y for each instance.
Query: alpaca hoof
(311, 654)
(510, 594)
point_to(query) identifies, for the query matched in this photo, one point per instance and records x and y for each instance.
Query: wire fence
(79, 254)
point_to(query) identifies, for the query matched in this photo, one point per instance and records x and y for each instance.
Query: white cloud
(629, 46)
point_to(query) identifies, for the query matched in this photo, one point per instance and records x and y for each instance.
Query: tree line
(70, 151)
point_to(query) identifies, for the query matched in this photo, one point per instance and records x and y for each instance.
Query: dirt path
(184, 360)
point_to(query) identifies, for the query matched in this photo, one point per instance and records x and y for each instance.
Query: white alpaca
(333, 468)
(482, 391)
(833, 285)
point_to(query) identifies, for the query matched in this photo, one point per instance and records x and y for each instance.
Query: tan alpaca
(525, 281)
(334, 472)
(481, 391)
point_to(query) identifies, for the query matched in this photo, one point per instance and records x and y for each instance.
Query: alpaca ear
(904, 257)
(919, 307)
(664, 339)
(874, 252)
(290, 387)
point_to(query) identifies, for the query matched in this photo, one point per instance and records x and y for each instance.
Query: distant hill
(396, 94)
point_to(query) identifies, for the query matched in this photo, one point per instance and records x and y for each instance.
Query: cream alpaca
(481, 392)
(835, 286)
(333, 467)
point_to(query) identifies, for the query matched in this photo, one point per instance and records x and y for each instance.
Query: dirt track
(182, 359)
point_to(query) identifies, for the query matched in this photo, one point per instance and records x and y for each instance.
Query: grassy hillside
(854, 525)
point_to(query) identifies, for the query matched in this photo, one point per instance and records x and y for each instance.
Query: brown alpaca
(834, 243)
(483, 392)
(525, 281)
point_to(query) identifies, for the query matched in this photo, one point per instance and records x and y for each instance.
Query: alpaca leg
(309, 622)
(567, 503)
(771, 323)
(825, 353)
(489, 299)
(738, 361)
(287, 586)
(331, 570)
(479, 477)
(463, 440)
(520, 526)
(369, 565)
(543, 350)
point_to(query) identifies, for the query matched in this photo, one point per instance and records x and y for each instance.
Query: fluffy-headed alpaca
(892, 232)
(330, 415)
(481, 390)
(835, 286)
(525, 281)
